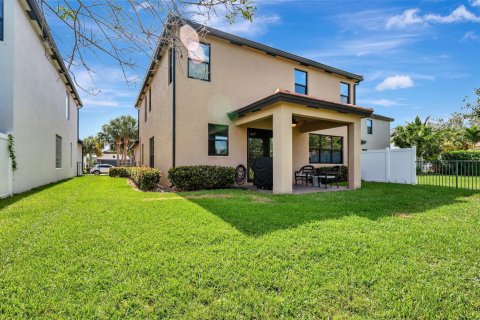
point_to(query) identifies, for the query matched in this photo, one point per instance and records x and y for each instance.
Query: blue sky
(417, 57)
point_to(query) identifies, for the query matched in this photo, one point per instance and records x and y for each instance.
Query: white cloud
(383, 102)
(395, 82)
(241, 27)
(475, 3)
(407, 18)
(144, 5)
(411, 17)
(258, 26)
(470, 35)
(461, 14)
(364, 46)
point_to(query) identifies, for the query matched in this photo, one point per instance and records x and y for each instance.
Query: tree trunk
(117, 143)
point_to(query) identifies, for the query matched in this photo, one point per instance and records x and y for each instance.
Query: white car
(101, 168)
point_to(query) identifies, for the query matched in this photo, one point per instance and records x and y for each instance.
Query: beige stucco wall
(38, 103)
(239, 76)
(159, 121)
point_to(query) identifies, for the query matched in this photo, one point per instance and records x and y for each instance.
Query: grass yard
(92, 247)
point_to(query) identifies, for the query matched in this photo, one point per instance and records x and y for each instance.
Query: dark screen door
(259, 145)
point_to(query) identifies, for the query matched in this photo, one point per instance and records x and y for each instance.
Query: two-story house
(38, 100)
(220, 99)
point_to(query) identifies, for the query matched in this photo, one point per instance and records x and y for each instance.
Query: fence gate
(464, 174)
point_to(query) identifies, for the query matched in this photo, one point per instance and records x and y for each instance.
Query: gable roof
(282, 95)
(239, 41)
(44, 31)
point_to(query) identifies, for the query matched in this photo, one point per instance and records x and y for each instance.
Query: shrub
(145, 178)
(461, 155)
(343, 172)
(189, 178)
(470, 168)
(121, 172)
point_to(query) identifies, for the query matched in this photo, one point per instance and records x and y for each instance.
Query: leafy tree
(92, 146)
(473, 135)
(421, 135)
(473, 108)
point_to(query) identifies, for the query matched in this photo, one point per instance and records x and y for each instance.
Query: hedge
(343, 172)
(145, 178)
(469, 168)
(190, 178)
(461, 155)
(121, 172)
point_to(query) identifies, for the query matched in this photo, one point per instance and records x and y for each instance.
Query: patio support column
(282, 150)
(354, 154)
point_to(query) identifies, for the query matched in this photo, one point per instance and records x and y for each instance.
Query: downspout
(138, 139)
(174, 106)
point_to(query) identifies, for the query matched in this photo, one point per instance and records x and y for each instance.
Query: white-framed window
(1, 20)
(58, 151)
(67, 105)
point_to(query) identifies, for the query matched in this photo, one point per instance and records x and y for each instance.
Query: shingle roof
(282, 95)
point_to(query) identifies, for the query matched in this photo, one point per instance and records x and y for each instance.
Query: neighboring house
(229, 100)
(376, 132)
(38, 100)
(110, 157)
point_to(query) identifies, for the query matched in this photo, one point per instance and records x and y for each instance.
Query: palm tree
(92, 146)
(119, 134)
(111, 134)
(473, 135)
(128, 132)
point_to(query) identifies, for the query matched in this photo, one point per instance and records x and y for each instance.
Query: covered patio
(291, 117)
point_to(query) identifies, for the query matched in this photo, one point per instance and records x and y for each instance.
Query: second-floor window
(301, 78)
(149, 99)
(145, 107)
(199, 62)
(1, 20)
(67, 105)
(344, 92)
(369, 126)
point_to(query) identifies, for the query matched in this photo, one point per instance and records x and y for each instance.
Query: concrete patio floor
(298, 189)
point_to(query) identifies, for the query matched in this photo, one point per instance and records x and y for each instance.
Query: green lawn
(93, 247)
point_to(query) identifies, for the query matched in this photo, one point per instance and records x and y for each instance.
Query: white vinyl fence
(6, 175)
(389, 165)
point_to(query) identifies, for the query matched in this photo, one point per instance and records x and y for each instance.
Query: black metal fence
(464, 174)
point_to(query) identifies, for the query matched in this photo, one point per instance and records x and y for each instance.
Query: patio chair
(331, 176)
(304, 174)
